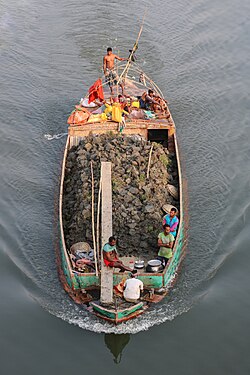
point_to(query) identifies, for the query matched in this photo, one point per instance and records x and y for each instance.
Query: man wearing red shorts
(110, 256)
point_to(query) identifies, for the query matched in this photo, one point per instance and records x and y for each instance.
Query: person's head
(166, 228)
(112, 241)
(173, 212)
(109, 50)
(133, 273)
(150, 92)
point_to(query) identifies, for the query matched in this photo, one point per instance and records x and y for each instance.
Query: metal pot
(139, 264)
(154, 265)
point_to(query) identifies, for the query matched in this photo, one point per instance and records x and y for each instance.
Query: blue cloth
(107, 247)
(142, 104)
(171, 221)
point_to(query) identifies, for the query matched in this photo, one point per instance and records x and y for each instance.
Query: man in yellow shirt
(165, 243)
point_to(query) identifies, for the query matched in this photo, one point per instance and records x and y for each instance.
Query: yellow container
(103, 117)
(97, 118)
(108, 109)
(135, 104)
(116, 112)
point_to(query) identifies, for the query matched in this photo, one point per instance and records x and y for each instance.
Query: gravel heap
(137, 201)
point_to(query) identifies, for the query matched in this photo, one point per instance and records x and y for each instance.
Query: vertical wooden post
(106, 221)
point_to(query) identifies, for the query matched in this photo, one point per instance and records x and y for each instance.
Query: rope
(49, 137)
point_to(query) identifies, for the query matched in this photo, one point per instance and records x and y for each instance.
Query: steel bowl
(154, 265)
(139, 264)
(154, 262)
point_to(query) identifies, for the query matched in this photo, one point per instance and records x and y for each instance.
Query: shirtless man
(109, 71)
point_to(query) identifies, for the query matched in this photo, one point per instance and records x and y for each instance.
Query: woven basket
(167, 208)
(172, 191)
(80, 246)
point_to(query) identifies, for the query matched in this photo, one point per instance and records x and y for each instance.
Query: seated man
(148, 102)
(132, 288)
(110, 256)
(124, 103)
(165, 243)
(172, 220)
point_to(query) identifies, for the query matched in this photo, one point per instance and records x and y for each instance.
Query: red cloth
(110, 263)
(96, 91)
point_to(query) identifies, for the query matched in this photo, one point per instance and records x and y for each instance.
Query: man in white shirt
(132, 288)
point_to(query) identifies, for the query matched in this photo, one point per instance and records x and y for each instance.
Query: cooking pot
(154, 265)
(139, 264)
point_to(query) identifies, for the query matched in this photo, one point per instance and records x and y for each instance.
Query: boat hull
(117, 316)
(76, 283)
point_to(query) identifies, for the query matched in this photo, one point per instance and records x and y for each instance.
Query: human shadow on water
(116, 344)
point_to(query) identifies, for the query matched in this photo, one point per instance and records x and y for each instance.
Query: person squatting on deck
(172, 220)
(165, 243)
(148, 102)
(132, 288)
(110, 256)
(112, 77)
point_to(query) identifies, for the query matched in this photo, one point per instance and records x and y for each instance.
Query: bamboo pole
(126, 69)
(149, 160)
(98, 220)
(93, 217)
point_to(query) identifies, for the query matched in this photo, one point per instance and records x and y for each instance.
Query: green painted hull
(74, 282)
(119, 315)
(164, 279)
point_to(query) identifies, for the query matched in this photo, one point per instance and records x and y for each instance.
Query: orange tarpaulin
(96, 91)
(78, 117)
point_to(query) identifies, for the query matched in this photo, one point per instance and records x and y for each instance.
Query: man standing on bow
(112, 77)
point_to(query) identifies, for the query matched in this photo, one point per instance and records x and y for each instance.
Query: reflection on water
(116, 344)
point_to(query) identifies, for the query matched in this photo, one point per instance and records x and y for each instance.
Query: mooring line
(50, 137)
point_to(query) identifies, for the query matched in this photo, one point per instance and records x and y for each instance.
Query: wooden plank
(135, 127)
(106, 222)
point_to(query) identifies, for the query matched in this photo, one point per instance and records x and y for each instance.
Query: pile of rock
(137, 200)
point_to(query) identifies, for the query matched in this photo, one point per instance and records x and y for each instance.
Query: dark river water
(198, 52)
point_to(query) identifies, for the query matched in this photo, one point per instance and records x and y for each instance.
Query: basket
(167, 208)
(80, 246)
(172, 191)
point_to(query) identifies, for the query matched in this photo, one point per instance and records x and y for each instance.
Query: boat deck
(139, 127)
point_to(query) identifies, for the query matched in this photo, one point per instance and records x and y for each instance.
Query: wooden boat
(88, 288)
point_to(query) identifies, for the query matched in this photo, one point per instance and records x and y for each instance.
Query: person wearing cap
(132, 288)
(110, 256)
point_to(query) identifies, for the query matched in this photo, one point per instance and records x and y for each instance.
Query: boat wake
(155, 316)
(178, 302)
